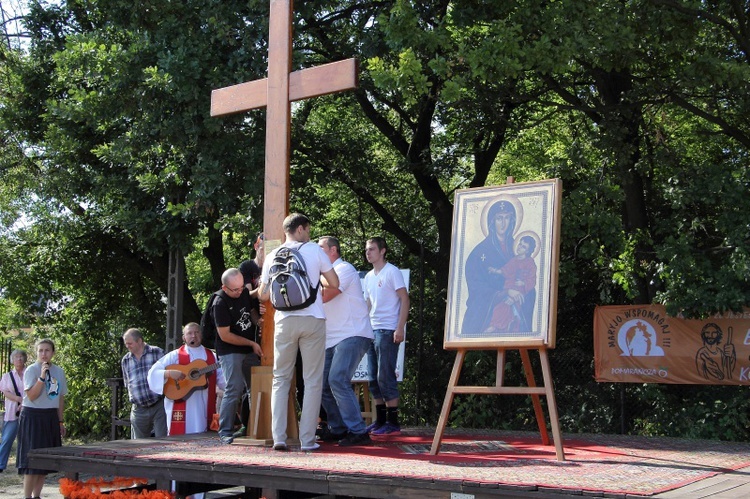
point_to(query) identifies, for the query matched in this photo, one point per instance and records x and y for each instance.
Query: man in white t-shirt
(388, 302)
(348, 337)
(303, 329)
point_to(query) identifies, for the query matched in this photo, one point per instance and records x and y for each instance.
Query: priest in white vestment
(194, 413)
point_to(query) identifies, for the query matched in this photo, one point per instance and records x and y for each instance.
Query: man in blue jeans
(388, 302)
(348, 337)
(235, 345)
(11, 385)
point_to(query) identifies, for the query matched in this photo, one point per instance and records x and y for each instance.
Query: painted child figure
(520, 278)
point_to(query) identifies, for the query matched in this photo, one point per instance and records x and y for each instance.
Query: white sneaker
(311, 447)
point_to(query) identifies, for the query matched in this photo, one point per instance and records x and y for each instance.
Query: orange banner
(642, 344)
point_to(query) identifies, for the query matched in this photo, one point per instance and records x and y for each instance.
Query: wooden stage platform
(471, 464)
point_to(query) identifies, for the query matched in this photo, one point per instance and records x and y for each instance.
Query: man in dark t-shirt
(251, 273)
(235, 346)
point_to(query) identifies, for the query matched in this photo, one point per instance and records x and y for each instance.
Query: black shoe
(328, 436)
(355, 439)
(226, 439)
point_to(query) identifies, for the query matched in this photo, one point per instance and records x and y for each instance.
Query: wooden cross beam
(276, 93)
(303, 84)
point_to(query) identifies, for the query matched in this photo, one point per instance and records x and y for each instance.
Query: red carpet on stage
(594, 463)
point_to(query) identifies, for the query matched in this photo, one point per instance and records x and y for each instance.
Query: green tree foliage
(124, 152)
(467, 93)
(111, 160)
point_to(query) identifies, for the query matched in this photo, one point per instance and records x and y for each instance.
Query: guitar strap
(179, 412)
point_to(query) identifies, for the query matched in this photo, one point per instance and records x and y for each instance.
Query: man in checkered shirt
(147, 412)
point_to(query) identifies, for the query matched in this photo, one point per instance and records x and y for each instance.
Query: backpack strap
(15, 387)
(294, 245)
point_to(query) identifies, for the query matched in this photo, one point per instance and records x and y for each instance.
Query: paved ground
(11, 483)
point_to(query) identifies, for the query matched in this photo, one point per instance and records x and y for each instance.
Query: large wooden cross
(276, 93)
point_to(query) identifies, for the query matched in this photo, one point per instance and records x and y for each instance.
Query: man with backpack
(290, 280)
(235, 346)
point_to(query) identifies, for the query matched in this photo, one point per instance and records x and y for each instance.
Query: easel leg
(256, 419)
(535, 399)
(292, 422)
(552, 404)
(362, 390)
(500, 368)
(445, 411)
(259, 422)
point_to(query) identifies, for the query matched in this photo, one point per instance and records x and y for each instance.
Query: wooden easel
(499, 389)
(362, 391)
(547, 201)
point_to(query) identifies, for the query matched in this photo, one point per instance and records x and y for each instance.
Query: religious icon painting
(502, 289)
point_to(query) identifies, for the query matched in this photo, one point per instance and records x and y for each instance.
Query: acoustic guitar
(195, 379)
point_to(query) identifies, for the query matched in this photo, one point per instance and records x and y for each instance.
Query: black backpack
(290, 285)
(208, 327)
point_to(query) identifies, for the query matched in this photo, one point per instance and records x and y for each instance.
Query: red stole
(179, 413)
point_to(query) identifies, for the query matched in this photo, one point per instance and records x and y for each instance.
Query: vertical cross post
(278, 119)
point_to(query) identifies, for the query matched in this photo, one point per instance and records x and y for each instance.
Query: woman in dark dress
(41, 422)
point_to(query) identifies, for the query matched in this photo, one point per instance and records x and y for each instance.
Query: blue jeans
(381, 365)
(339, 400)
(10, 430)
(236, 368)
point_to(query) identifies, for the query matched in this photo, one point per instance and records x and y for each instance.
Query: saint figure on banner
(714, 360)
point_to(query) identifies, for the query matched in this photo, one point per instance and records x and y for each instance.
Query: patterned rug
(593, 463)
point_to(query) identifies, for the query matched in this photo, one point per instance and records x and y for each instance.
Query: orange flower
(92, 489)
